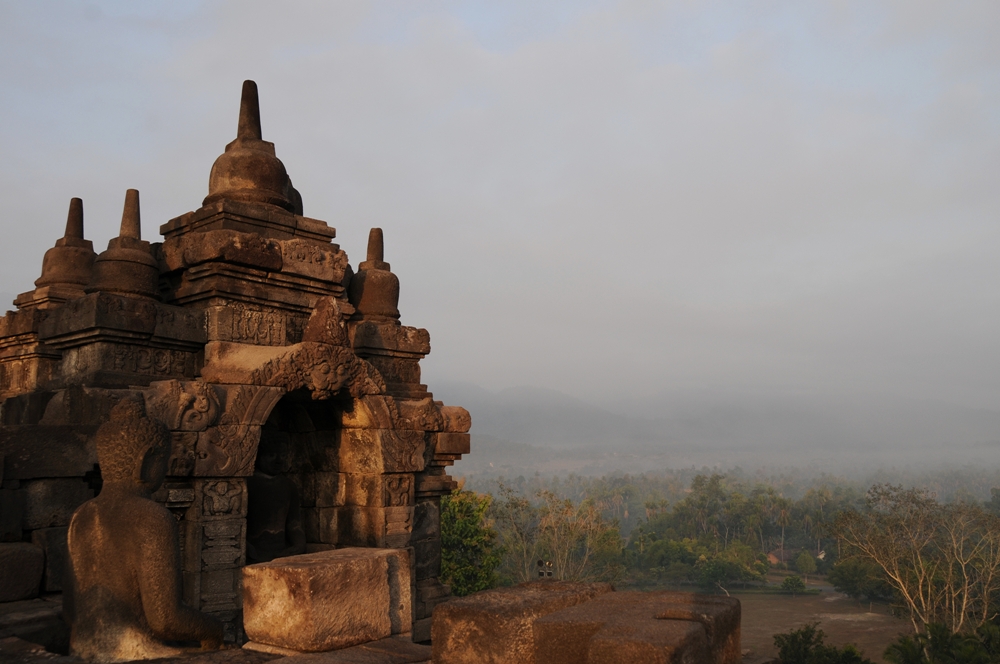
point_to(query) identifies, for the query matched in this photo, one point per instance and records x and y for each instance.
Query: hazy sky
(607, 199)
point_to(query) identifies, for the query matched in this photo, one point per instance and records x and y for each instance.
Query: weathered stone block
(53, 542)
(21, 567)
(430, 593)
(320, 524)
(434, 483)
(390, 490)
(422, 414)
(225, 246)
(452, 443)
(118, 365)
(309, 259)
(375, 451)
(426, 520)
(361, 526)
(428, 554)
(370, 412)
(24, 408)
(80, 405)
(11, 514)
(374, 336)
(46, 451)
(495, 626)
(328, 600)
(324, 489)
(658, 627)
(51, 502)
(396, 369)
(456, 419)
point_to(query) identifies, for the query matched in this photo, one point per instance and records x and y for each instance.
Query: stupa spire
(249, 125)
(376, 245)
(74, 219)
(130, 216)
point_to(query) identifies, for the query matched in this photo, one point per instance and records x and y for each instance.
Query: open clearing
(841, 618)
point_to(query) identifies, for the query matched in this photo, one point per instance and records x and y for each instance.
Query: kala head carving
(125, 595)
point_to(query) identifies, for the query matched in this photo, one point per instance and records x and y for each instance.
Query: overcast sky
(613, 200)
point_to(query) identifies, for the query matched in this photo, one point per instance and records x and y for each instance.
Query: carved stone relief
(229, 447)
(322, 369)
(183, 406)
(223, 498)
(398, 490)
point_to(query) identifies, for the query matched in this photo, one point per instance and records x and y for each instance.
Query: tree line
(937, 562)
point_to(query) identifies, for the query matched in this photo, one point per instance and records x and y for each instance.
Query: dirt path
(842, 619)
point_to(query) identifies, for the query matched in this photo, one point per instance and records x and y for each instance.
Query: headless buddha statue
(125, 598)
(274, 510)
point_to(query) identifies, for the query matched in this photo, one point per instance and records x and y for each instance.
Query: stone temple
(245, 328)
(221, 440)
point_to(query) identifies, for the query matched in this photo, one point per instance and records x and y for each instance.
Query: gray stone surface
(495, 626)
(327, 600)
(39, 621)
(51, 502)
(53, 542)
(21, 567)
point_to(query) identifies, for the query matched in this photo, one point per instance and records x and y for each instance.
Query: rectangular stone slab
(655, 627)
(327, 600)
(495, 626)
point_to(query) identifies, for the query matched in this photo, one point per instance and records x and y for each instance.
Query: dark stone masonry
(245, 327)
(216, 449)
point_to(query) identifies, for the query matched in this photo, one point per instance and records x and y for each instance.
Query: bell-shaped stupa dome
(67, 267)
(71, 261)
(128, 266)
(374, 290)
(248, 170)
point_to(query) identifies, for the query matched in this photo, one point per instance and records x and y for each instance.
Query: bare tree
(516, 522)
(943, 561)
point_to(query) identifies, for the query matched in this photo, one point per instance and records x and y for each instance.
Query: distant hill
(684, 429)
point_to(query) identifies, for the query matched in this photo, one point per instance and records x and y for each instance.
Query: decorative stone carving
(398, 490)
(456, 419)
(422, 414)
(309, 259)
(124, 554)
(183, 406)
(322, 369)
(223, 498)
(229, 447)
(243, 324)
(326, 324)
(376, 451)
